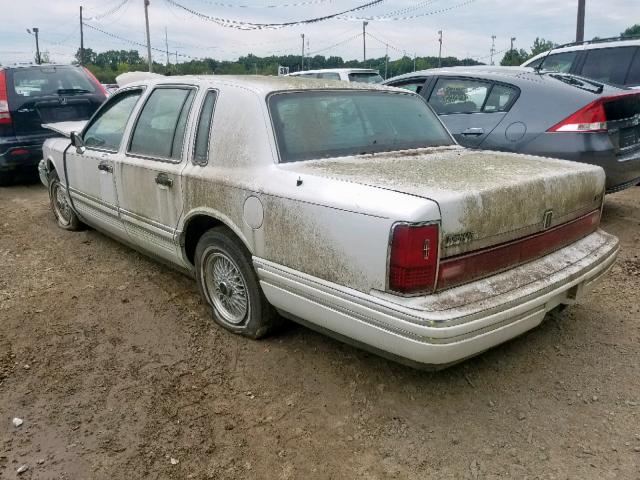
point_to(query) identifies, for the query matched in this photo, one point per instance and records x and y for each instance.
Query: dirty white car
(348, 208)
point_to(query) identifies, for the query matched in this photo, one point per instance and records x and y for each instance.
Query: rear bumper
(438, 330)
(17, 155)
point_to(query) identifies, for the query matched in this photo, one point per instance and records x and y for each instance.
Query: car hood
(485, 198)
(65, 128)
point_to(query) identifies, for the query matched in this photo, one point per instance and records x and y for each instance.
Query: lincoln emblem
(425, 249)
(547, 218)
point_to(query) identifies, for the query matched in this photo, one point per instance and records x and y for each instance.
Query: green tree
(632, 31)
(541, 45)
(514, 57)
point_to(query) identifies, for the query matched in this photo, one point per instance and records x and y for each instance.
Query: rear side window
(47, 81)
(107, 128)
(160, 129)
(414, 85)
(608, 65)
(633, 78)
(559, 62)
(201, 148)
(453, 95)
(500, 99)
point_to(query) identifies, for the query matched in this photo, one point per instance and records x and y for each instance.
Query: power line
(298, 4)
(417, 15)
(109, 12)
(241, 25)
(401, 11)
(331, 47)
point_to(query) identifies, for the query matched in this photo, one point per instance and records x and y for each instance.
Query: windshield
(325, 124)
(365, 77)
(43, 81)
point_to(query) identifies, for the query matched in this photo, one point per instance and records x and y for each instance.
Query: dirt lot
(113, 364)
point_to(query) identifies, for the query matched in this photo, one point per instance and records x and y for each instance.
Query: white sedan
(347, 207)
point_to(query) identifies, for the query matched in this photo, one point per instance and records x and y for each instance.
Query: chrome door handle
(105, 167)
(164, 180)
(473, 131)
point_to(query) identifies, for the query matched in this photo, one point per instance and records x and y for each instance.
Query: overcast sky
(467, 28)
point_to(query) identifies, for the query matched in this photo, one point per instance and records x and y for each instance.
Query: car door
(148, 176)
(90, 174)
(471, 108)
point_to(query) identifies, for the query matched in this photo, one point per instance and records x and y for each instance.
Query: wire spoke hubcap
(226, 288)
(61, 204)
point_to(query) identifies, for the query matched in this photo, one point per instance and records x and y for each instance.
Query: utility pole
(38, 59)
(386, 61)
(166, 44)
(493, 47)
(414, 61)
(364, 43)
(302, 62)
(580, 25)
(513, 39)
(440, 49)
(81, 39)
(146, 20)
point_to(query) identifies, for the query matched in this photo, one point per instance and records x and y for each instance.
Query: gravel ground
(114, 366)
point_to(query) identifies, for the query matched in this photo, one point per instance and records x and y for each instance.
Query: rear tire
(229, 284)
(61, 205)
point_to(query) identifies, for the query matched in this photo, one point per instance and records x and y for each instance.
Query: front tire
(61, 205)
(229, 284)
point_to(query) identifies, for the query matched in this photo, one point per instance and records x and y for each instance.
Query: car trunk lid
(485, 198)
(623, 122)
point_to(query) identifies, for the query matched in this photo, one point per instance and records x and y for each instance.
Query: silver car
(347, 207)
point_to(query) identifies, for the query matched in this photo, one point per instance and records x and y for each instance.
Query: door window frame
(197, 126)
(94, 118)
(181, 86)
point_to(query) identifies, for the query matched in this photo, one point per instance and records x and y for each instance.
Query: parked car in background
(615, 61)
(347, 207)
(110, 87)
(360, 75)
(522, 110)
(36, 94)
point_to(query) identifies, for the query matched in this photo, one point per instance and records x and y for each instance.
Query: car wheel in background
(229, 284)
(61, 205)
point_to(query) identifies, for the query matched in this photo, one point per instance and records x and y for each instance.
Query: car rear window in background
(633, 78)
(365, 77)
(329, 76)
(453, 95)
(315, 125)
(45, 81)
(159, 131)
(559, 62)
(608, 65)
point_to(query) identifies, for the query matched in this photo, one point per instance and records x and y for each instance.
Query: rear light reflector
(95, 81)
(413, 259)
(482, 263)
(5, 115)
(19, 151)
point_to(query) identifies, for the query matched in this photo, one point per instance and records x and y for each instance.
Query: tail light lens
(5, 115)
(95, 81)
(591, 118)
(413, 259)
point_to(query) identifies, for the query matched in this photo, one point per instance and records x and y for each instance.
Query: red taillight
(413, 261)
(591, 118)
(5, 115)
(95, 81)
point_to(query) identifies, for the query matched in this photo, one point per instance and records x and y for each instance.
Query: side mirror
(78, 142)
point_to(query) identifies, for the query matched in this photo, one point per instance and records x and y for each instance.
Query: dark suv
(37, 94)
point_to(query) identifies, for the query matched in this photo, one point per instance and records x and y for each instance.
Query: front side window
(608, 65)
(365, 77)
(328, 124)
(160, 129)
(107, 128)
(201, 149)
(559, 62)
(454, 95)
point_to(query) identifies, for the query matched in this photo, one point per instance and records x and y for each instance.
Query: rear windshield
(325, 124)
(45, 81)
(365, 77)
